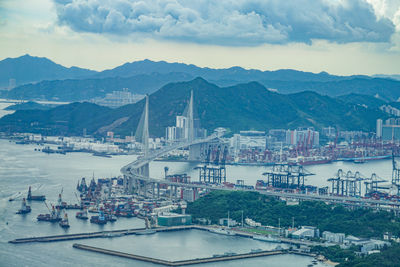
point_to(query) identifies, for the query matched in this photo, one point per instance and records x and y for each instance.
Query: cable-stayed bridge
(137, 174)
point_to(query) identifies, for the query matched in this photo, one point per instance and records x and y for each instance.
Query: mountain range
(28, 69)
(40, 78)
(239, 107)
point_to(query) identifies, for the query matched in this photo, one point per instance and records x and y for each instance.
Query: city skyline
(340, 37)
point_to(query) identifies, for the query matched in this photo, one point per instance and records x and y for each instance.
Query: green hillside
(239, 107)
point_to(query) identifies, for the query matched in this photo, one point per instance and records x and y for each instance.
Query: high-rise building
(390, 129)
(379, 128)
(181, 129)
(303, 137)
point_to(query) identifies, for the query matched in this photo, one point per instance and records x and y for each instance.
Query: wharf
(134, 231)
(182, 262)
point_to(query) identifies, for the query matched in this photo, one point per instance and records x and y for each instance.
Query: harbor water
(21, 166)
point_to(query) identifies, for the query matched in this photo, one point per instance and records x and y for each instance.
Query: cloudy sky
(338, 36)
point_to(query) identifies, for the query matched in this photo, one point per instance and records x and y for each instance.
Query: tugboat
(64, 222)
(100, 219)
(54, 216)
(24, 208)
(83, 215)
(35, 198)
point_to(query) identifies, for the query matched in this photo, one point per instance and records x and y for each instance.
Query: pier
(55, 238)
(137, 231)
(228, 257)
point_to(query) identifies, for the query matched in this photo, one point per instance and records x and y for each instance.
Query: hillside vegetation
(239, 107)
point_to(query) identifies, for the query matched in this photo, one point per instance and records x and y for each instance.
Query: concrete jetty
(66, 237)
(230, 256)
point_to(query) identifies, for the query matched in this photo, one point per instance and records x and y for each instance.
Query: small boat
(64, 222)
(266, 238)
(101, 154)
(12, 198)
(83, 215)
(113, 234)
(146, 232)
(222, 231)
(24, 208)
(359, 161)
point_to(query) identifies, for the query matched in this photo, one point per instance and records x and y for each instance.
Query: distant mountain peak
(28, 69)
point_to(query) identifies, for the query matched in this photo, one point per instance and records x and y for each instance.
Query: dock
(135, 231)
(229, 257)
(55, 238)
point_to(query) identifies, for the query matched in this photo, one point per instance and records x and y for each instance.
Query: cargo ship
(54, 216)
(24, 208)
(34, 198)
(309, 160)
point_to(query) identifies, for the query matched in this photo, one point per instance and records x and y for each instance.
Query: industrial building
(174, 219)
(306, 232)
(333, 237)
(227, 222)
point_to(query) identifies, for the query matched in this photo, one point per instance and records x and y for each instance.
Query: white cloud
(229, 22)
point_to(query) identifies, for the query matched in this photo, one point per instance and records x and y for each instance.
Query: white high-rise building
(181, 121)
(379, 128)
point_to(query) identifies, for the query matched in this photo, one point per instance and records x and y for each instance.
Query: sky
(342, 37)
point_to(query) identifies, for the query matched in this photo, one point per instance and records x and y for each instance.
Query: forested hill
(239, 107)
